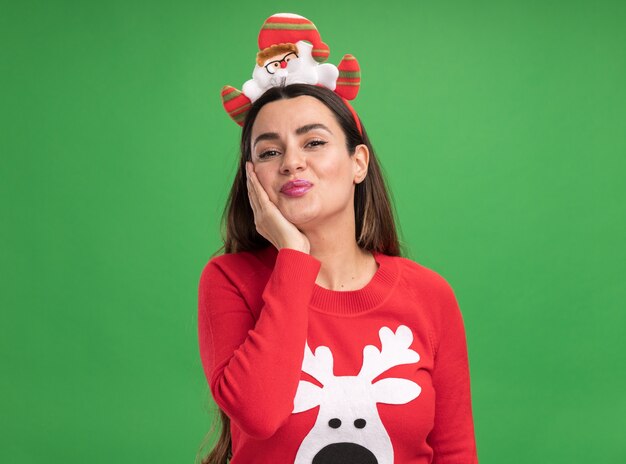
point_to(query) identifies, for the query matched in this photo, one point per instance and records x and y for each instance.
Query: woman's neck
(344, 268)
(345, 265)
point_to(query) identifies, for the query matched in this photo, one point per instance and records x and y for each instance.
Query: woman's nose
(293, 160)
(283, 64)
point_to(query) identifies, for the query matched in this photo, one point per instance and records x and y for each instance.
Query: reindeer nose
(344, 453)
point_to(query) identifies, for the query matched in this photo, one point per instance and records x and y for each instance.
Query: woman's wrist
(302, 248)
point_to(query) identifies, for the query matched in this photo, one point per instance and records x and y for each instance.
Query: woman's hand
(268, 219)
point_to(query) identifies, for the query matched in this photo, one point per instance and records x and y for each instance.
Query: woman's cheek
(267, 186)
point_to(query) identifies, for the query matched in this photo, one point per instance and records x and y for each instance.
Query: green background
(500, 126)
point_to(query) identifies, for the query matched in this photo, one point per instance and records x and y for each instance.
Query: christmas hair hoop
(291, 51)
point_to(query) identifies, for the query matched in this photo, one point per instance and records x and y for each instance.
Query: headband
(291, 51)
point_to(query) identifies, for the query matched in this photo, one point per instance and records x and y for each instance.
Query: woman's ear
(361, 160)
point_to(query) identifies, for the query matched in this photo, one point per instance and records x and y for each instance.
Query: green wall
(501, 127)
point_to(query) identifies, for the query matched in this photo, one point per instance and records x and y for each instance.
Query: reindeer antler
(319, 365)
(394, 352)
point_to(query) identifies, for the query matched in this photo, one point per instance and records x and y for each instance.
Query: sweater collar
(350, 302)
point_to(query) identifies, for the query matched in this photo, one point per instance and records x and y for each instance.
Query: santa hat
(291, 28)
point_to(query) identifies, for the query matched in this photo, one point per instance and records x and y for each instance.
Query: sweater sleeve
(253, 369)
(452, 437)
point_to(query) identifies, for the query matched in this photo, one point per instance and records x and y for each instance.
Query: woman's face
(299, 138)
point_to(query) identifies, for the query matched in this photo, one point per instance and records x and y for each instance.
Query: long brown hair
(375, 226)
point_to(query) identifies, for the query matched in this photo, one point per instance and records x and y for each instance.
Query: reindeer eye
(335, 423)
(359, 423)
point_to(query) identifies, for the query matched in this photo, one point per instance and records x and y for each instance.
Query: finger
(252, 195)
(260, 192)
(253, 185)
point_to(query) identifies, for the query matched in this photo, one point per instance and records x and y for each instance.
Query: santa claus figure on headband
(291, 51)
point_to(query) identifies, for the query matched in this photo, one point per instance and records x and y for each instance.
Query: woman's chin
(298, 217)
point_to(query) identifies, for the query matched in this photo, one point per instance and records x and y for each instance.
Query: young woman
(319, 341)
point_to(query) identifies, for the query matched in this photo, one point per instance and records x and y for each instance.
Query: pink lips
(296, 188)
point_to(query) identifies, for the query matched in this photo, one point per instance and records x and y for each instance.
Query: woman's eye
(267, 153)
(316, 143)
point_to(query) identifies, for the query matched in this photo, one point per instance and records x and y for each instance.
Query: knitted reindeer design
(348, 428)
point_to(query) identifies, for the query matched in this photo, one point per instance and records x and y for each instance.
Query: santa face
(282, 64)
(287, 68)
(300, 138)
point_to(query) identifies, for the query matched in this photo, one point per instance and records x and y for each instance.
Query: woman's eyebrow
(310, 127)
(299, 131)
(265, 136)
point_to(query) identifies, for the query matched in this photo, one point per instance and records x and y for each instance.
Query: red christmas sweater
(309, 375)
